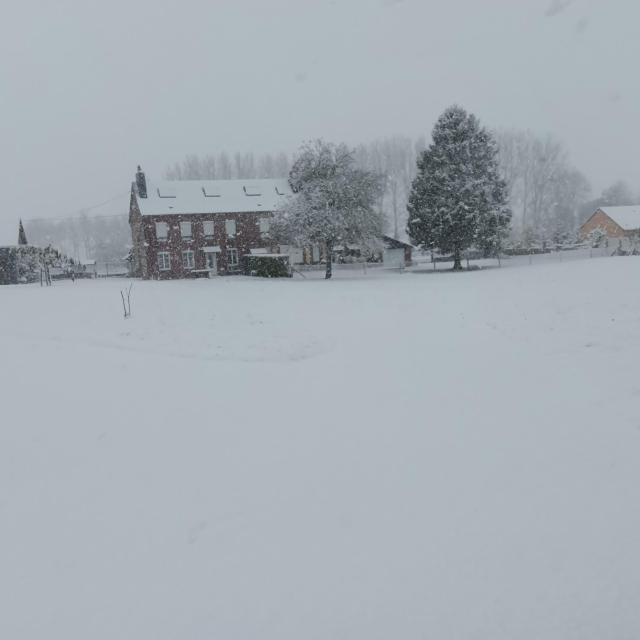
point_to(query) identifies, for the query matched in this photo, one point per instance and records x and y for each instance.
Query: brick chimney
(141, 183)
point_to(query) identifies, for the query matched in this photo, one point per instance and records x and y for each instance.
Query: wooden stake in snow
(126, 302)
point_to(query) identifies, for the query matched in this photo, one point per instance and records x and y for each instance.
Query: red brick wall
(137, 237)
(600, 220)
(247, 237)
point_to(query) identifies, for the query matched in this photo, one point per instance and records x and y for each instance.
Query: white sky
(91, 88)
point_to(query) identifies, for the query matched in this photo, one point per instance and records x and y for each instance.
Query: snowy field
(446, 456)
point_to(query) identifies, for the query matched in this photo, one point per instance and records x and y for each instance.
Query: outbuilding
(618, 223)
(396, 254)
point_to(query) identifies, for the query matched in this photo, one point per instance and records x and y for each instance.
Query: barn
(614, 223)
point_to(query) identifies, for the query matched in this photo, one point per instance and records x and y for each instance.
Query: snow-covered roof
(626, 217)
(213, 196)
(395, 242)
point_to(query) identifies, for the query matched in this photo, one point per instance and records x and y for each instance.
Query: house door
(212, 263)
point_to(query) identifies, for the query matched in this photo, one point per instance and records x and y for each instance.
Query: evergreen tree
(458, 198)
(22, 236)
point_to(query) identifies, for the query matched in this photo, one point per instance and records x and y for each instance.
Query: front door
(212, 265)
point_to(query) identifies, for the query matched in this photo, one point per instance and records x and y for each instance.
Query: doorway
(212, 263)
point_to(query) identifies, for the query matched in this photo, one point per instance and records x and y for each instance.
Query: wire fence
(115, 269)
(424, 261)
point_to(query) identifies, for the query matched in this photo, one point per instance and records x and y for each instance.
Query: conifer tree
(458, 198)
(22, 236)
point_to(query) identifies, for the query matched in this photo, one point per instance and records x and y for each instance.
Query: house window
(185, 230)
(230, 227)
(164, 261)
(187, 260)
(264, 224)
(207, 227)
(232, 257)
(162, 230)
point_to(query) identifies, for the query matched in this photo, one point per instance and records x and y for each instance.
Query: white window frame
(188, 257)
(264, 224)
(164, 261)
(165, 226)
(211, 225)
(230, 228)
(232, 257)
(183, 228)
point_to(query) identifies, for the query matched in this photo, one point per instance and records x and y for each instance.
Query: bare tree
(266, 166)
(282, 165)
(545, 190)
(394, 158)
(225, 171)
(618, 194)
(209, 167)
(222, 167)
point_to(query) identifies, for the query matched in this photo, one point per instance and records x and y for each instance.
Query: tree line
(549, 197)
(393, 158)
(225, 166)
(464, 190)
(101, 238)
(457, 198)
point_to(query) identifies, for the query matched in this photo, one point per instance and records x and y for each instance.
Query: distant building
(618, 223)
(186, 228)
(392, 253)
(396, 253)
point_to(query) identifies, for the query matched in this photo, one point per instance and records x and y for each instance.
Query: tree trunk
(457, 262)
(328, 257)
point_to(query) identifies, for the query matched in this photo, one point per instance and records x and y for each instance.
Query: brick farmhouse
(187, 228)
(619, 223)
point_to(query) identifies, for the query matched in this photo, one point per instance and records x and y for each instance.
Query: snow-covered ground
(450, 456)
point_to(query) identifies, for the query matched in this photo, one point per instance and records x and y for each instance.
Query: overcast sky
(89, 89)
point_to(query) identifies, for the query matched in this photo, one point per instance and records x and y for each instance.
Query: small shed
(396, 254)
(88, 269)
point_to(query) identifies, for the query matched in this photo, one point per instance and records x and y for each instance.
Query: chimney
(141, 183)
(22, 236)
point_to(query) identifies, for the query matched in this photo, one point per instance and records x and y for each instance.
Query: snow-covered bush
(598, 237)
